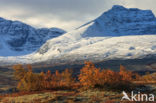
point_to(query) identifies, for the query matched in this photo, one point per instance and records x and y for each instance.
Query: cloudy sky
(65, 14)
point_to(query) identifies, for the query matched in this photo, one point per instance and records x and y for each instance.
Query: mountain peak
(119, 21)
(1, 19)
(18, 38)
(118, 7)
(120, 12)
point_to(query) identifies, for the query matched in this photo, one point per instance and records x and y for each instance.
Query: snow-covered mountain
(17, 38)
(120, 21)
(119, 33)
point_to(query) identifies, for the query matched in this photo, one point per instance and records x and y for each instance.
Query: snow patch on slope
(95, 48)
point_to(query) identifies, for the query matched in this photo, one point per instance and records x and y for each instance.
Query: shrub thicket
(29, 81)
(89, 77)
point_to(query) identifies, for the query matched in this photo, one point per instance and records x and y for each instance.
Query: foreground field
(91, 85)
(88, 96)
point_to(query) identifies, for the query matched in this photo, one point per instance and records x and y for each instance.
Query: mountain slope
(118, 21)
(17, 38)
(119, 33)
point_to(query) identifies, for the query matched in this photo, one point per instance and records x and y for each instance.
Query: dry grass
(37, 98)
(44, 97)
(90, 96)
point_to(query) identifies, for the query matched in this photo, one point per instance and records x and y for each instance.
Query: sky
(65, 14)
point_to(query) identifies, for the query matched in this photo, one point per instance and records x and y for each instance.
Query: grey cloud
(79, 11)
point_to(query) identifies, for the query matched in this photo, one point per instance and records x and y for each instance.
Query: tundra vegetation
(92, 84)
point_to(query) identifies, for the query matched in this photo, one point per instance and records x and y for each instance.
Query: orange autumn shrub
(47, 78)
(67, 78)
(62, 80)
(126, 75)
(29, 81)
(19, 71)
(91, 77)
(109, 77)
